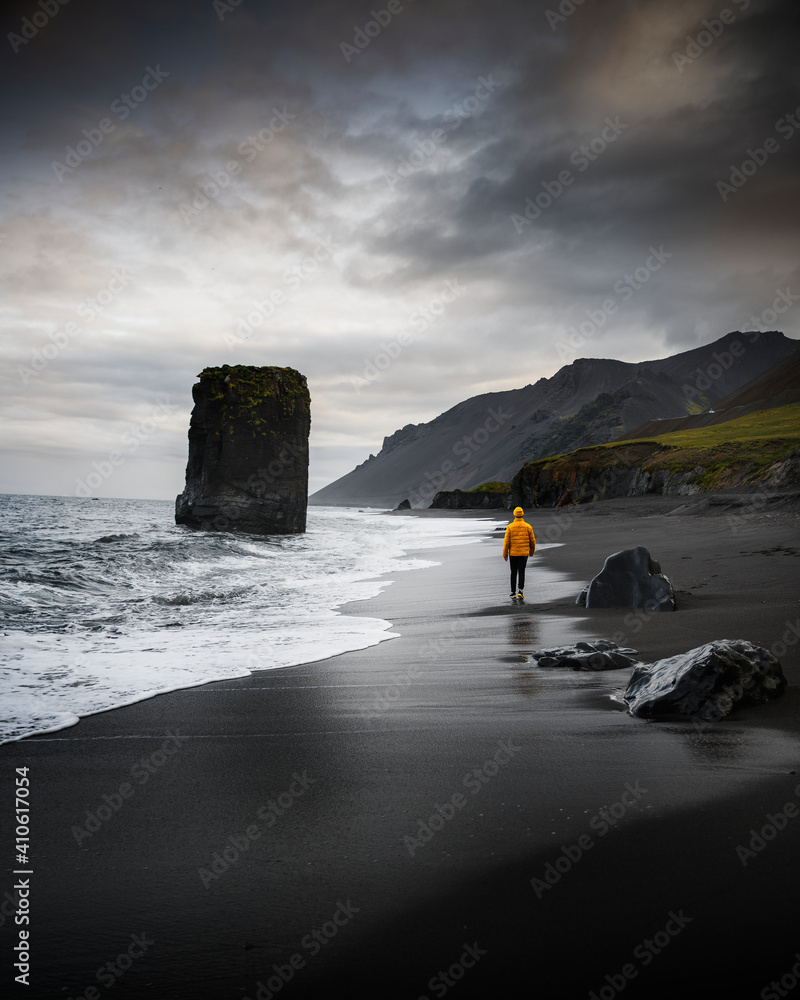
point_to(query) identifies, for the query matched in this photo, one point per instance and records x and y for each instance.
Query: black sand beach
(371, 824)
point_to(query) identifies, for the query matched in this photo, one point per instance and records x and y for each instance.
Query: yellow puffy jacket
(519, 540)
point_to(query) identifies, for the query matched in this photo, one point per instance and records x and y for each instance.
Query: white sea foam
(108, 602)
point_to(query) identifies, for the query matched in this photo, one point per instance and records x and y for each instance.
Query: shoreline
(359, 634)
(318, 783)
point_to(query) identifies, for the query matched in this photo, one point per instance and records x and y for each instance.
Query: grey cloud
(325, 176)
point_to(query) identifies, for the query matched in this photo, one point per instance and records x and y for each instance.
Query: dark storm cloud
(305, 181)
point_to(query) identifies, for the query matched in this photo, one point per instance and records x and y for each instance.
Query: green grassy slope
(732, 453)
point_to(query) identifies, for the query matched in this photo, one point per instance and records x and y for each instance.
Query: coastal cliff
(248, 452)
(469, 500)
(759, 449)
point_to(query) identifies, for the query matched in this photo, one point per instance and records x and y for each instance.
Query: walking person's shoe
(520, 594)
(512, 595)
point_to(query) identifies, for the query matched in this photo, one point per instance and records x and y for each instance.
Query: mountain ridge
(489, 437)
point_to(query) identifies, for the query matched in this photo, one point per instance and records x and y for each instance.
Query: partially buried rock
(404, 505)
(602, 654)
(706, 683)
(629, 579)
(248, 452)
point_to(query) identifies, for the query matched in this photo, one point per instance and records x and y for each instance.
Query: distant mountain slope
(591, 401)
(775, 386)
(780, 386)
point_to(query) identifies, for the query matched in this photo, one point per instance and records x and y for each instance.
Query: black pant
(518, 564)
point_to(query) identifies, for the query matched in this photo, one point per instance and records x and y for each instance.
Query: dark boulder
(629, 579)
(706, 683)
(404, 505)
(248, 452)
(602, 654)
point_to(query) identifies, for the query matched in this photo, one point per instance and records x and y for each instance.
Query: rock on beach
(707, 682)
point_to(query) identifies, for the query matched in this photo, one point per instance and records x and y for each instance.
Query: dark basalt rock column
(248, 452)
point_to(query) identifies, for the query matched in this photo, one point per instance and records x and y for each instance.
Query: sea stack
(248, 452)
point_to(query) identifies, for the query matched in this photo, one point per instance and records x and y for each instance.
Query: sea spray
(107, 602)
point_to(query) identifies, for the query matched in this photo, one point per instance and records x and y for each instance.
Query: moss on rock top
(244, 388)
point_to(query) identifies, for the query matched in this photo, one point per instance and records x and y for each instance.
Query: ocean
(107, 602)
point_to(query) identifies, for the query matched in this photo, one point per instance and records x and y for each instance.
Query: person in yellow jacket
(518, 544)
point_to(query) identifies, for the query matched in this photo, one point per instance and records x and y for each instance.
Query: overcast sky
(411, 203)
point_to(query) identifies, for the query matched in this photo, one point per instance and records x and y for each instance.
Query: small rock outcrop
(404, 505)
(601, 654)
(707, 682)
(629, 579)
(469, 500)
(248, 452)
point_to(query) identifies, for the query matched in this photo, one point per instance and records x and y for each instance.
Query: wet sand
(435, 814)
